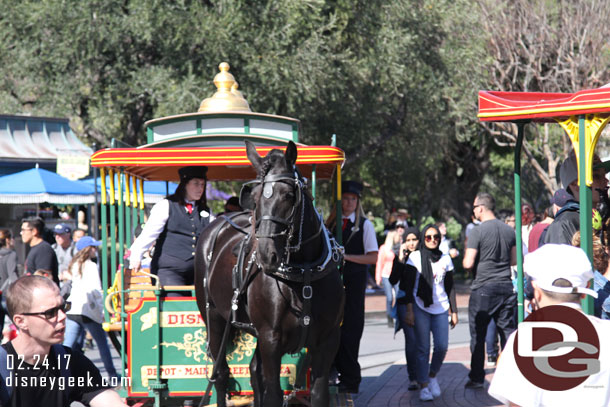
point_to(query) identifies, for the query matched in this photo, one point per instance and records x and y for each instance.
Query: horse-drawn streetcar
(270, 272)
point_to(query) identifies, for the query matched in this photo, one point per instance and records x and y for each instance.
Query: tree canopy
(396, 81)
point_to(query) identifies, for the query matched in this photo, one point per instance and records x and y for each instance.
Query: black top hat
(351, 187)
(186, 173)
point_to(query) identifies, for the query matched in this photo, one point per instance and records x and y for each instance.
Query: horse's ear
(291, 153)
(253, 156)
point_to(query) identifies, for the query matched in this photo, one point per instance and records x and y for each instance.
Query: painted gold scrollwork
(194, 345)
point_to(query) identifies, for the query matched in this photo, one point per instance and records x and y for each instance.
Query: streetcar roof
(540, 106)
(224, 163)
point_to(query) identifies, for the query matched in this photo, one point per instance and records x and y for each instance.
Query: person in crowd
(78, 234)
(8, 270)
(174, 225)
(435, 302)
(360, 250)
(402, 217)
(41, 255)
(561, 198)
(560, 274)
(469, 227)
(492, 243)
(232, 205)
(447, 245)
(8, 235)
(86, 301)
(383, 270)
(39, 312)
(405, 278)
(540, 227)
(492, 338)
(63, 246)
(507, 216)
(601, 274)
(528, 220)
(567, 219)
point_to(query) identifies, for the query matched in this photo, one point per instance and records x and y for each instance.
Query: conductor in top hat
(173, 226)
(360, 250)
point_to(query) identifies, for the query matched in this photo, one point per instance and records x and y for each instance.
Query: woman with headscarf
(173, 226)
(405, 277)
(435, 301)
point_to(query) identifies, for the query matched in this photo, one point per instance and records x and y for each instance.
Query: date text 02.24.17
(60, 362)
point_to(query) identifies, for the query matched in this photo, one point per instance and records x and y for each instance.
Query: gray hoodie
(8, 267)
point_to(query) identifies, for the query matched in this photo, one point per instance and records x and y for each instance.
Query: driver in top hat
(173, 226)
(361, 250)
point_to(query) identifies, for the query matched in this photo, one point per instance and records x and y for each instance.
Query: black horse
(272, 271)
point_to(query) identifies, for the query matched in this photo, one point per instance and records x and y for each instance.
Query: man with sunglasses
(36, 369)
(41, 255)
(490, 252)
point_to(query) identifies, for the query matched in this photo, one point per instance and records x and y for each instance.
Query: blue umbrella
(38, 185)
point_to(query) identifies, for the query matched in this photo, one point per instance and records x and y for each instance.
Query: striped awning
(224, 163)
(538, 106)
(33, 139)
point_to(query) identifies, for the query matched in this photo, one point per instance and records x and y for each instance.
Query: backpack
(6, 392)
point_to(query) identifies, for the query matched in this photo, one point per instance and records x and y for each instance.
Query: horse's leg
(321, 361)
(215, 332)
(256, 378)
(271, 357)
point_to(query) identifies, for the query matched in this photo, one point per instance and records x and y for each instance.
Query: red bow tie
(189, 207)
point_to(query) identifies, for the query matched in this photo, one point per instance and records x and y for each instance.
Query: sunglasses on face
(429, 238)
(51, 313)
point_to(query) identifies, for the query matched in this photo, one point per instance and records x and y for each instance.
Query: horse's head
(277, 199)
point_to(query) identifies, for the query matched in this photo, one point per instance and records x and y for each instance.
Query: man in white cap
(556, 373)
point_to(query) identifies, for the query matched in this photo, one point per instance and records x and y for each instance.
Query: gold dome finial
(227, 98)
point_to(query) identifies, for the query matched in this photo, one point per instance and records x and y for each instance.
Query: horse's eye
(289, 196)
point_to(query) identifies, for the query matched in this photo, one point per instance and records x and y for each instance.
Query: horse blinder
(246, 201)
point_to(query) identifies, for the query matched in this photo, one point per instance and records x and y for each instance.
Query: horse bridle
(268, 182)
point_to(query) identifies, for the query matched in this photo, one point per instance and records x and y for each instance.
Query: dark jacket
(562, 229)
(405, 275)
(8, 268)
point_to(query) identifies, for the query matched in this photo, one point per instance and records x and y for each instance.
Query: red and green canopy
(224, 163)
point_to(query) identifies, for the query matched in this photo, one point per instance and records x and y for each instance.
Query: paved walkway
(390, 389)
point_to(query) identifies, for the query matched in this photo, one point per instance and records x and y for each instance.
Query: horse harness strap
(241, 281)
(229, 220)
(205, 400)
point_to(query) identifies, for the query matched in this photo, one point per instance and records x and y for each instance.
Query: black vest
(354, 244)
(179, 237)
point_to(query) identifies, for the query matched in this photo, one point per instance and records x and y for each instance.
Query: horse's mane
(270, 161)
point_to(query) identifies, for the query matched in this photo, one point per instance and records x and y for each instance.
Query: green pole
(585, 198)
(518, 222)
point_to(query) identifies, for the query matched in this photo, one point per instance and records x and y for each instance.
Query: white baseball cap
(553, 261)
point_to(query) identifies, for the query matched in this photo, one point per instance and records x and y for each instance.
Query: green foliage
(454, 230)
(396, 81)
